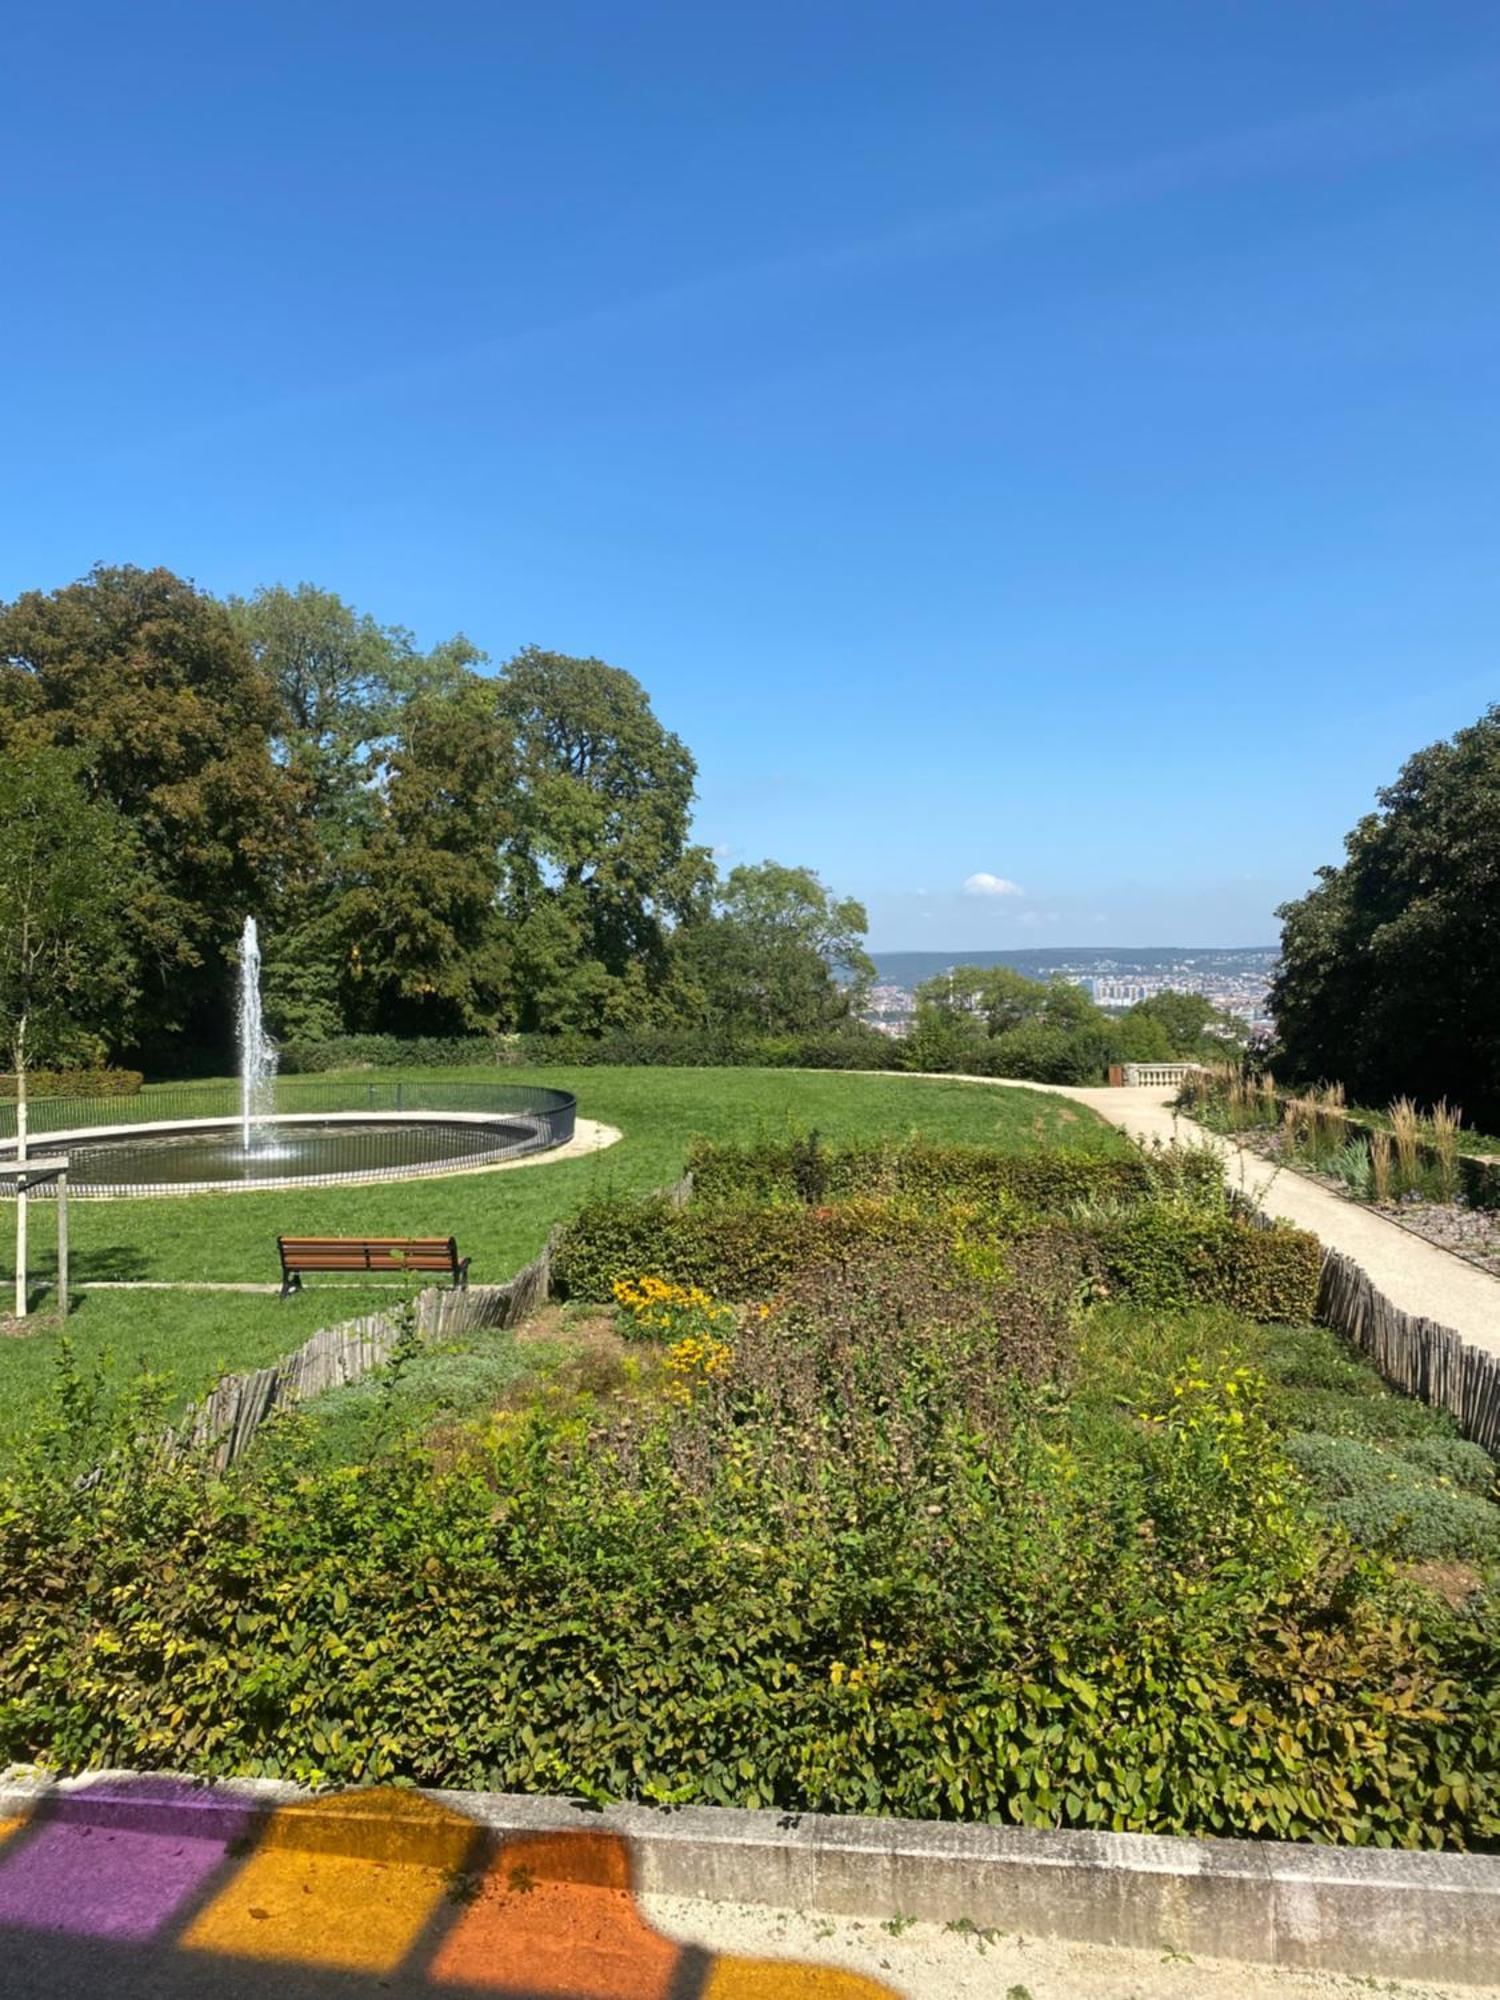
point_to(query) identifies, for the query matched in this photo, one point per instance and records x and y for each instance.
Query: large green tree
(423, 944)
(779, 954)
(65, 966)
(147, 680)
(1390, 965)
(995, 1020)
(599, 866)
(343, 683)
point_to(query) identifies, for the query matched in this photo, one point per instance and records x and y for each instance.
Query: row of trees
(430, 848)
(995, 1021)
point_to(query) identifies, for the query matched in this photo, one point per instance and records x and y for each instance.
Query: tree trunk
(21, 1293)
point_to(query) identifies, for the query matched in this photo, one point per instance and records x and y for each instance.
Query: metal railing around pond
(185, 1139)
(181, 1103)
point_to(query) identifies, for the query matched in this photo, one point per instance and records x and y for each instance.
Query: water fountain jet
(257, 1053)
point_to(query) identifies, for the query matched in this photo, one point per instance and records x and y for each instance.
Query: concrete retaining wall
(1365, 1911)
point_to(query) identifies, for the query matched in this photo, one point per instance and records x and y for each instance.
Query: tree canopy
(779, 953)
(429, 847)
(65, 862)
(1390, 965)
(147, 680)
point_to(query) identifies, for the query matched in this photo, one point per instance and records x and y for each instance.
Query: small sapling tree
(65, 863)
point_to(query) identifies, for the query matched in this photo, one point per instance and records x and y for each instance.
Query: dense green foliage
(1391, 964)
(430, 850)
(993, 1021)
(65, 869)
(908, 1553)
(76, 1083)
(812, 1169)
(1156, 1254)
(146, 681)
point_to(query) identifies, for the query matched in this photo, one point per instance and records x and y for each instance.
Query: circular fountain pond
(481, 1126)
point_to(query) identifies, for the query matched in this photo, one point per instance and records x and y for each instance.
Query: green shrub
(75, 1083)
(1405, 1499)
(1167, 1258)
(858, 1578)
(804, 1170)
(306, 1057)
(733, 1252)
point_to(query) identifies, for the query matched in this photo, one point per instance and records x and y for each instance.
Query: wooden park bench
(368, 1253)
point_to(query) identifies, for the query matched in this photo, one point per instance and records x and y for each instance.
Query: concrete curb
(1365, 1911)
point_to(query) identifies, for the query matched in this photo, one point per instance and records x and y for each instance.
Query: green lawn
(500, 1219)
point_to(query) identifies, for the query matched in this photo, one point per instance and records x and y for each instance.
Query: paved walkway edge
(1363, 1911)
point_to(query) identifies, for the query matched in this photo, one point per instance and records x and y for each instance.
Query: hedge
(806, 1171)
(75, 1083)
(393, 1052)
(1163, 1258)
(1167, 1261)
(853, 1047)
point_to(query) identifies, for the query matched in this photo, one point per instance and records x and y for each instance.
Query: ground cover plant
(501, 1220)
(922, 1531)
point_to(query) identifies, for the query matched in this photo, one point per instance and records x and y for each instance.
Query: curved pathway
(1416, 1276)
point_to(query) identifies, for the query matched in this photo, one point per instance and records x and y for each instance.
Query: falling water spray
(257, 1056)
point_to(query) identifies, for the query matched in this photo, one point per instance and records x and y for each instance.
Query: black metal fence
(176, 1103)
(430, 1128)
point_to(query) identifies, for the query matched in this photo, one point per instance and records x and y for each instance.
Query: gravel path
(922, 1961)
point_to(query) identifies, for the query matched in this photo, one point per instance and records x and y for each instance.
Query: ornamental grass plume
(1445, 1122)
(1406, 1135)
(1380, 1165)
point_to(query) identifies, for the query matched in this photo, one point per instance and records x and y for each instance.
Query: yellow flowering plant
(651, 1308)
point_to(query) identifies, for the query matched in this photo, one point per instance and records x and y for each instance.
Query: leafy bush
(391, 1052)
(75, 1083)
(852, 1575)
(1164, 1256)
(734, 1253)
(1167, 1258)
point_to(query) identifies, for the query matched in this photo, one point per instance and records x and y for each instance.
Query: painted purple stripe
(108, 1861)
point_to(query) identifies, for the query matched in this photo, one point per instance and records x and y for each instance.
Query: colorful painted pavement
(150, 1886)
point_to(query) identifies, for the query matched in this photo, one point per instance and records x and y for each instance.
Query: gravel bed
(1470, 1233)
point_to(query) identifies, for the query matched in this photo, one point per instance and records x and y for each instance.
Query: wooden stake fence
(229, 1417)
(1417, 1355)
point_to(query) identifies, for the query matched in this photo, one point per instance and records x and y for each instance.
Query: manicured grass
(500, 1219)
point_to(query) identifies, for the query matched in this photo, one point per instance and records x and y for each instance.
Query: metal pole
(62, 1250)
(21, 1296)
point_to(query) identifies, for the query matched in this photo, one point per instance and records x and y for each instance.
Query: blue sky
(1055, 444)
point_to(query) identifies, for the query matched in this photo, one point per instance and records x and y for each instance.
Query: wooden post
(62, 1251)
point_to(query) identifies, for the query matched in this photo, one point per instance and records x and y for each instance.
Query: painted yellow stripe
(783, 1979)
(10, 1826)
(339, 1882)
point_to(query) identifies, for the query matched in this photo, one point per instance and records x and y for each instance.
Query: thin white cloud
(991, 885)
(1447, 107)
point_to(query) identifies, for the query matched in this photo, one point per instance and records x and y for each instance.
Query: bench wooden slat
(300, 1254)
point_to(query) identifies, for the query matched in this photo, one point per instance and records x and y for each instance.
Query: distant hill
(910, 968)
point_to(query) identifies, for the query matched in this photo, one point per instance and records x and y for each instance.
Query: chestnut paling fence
(230, 1415)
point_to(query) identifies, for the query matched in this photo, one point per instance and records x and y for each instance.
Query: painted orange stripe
(322, 1889)
(10, 1826)
(555, 1916)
